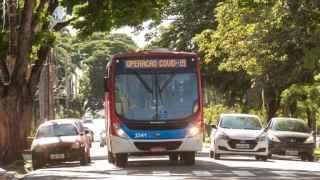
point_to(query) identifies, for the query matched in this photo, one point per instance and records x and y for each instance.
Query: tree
(26, 41)
(97, 51)
(190, 17)
(274, 42)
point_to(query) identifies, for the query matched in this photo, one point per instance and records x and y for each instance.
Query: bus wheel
(110, 157)
(121, 160)
(173, 157)
(188, 158)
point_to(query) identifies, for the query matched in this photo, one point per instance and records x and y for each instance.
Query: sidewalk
(5, 175)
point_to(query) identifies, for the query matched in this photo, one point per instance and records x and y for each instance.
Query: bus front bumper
(160, 146)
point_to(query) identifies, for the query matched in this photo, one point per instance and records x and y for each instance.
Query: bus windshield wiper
(145, 85)
(166, 83)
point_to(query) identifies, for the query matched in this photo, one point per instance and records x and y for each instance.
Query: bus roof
(154, 52)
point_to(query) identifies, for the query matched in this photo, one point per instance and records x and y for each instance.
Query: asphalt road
(231, 167)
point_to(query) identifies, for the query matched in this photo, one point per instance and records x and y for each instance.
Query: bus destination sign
(155, 64)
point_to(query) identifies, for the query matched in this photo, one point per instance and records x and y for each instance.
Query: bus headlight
(193, 131)
(119, 131)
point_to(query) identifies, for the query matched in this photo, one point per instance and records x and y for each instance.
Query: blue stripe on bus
(155, 134)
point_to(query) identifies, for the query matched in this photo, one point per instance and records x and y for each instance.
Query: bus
(153, 106)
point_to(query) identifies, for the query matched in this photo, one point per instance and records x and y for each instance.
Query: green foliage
(191, 17)
(212, 112)
(103, 15)
(273, 42)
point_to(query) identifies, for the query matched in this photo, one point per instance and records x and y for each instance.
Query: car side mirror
(81, 134)
(214, 126)
(87, 132)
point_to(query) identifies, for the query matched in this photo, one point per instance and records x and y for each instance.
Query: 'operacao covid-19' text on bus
(153, 106)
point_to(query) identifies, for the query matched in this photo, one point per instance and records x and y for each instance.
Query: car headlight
(309, 140)
(75, 145)
(262, 138)
(273, 138)
(223, 136)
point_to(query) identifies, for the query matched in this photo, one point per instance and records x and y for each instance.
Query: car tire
(173, 157)
(211, 154)
(84, 158)
(110, 157)
(216, 156)
(310, 158)
(37, 161)
(188, 158)
(261, 158)
(121, 160)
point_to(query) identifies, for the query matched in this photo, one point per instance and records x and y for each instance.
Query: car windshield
(157, 96)
(290, 125)
(56, 130)
(240, 122)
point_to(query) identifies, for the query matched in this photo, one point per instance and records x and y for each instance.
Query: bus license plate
(157, 149)
(291, 153)
(56, 156)
(242, 146)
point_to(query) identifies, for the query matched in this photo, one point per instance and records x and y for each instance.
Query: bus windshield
(156, 96)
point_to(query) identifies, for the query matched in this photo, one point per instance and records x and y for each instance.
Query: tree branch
(37, 14)
(61, 25)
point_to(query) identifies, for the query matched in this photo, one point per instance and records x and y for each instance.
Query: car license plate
(157, 149)
(291, 153)
(242, 146)
(56, 156)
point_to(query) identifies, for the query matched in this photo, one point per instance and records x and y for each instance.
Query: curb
(7, 175)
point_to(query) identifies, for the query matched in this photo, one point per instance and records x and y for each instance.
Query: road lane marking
(243, 173)
(284, 173)
(201, 173)
(119, 172)
(161, 173)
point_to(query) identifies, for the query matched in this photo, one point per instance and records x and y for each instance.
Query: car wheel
(310, 158)
(84, 158)
(216, 155)
(121, 160)
(258, 158)
(188, 158)
(263, 158)
(173, 157)
(110, 157)
(211, 153)
(37, 161)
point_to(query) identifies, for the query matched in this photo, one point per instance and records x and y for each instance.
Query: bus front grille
(168, 145)
(148, 126)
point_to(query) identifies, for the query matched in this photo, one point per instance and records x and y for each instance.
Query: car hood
(244, 134)
(283, 134)
(55, 140)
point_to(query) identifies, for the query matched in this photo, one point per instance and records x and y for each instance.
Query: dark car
(60, 141)
(291, 137)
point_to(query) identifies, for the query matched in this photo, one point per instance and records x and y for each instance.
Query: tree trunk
(16, 116)
(271, 102)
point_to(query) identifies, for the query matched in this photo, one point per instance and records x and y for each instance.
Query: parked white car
(238, 134)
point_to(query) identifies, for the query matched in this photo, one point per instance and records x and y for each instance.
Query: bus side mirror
(214, 126)
(106, 86)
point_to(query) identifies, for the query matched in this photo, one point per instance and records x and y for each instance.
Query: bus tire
(211, 154)
(110, 157)
(189, 158)
(121, 160)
